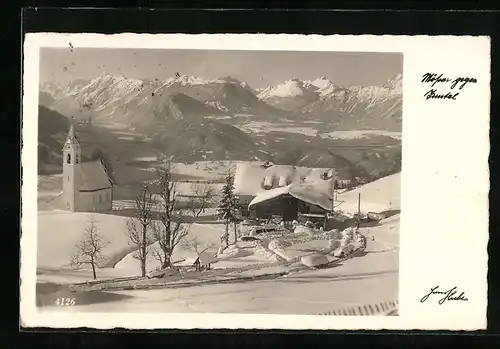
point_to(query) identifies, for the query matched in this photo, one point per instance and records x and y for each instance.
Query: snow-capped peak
(395, 83)
(322, 85)
(191, 80)
(291, 88)
(296, 87)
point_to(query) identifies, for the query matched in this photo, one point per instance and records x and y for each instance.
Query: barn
(283, 190)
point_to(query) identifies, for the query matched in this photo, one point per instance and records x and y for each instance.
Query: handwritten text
(449, 295)
(434, 79)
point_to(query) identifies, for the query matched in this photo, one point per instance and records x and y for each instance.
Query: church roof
(94, 176)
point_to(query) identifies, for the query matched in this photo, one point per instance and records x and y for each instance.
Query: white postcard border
(445, 182)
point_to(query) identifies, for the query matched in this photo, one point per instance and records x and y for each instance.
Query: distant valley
(307, 123)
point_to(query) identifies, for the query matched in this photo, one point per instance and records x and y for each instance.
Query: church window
(68, 159)
(100, 199)
(77, 159)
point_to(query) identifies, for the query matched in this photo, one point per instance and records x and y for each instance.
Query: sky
(257, 68)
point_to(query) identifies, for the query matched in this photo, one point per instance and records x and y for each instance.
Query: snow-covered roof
(94, 176)
(307, 193)
(252, 178)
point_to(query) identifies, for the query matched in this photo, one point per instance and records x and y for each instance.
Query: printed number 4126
(63, 302)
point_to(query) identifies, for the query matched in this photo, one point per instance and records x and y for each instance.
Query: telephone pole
(359, 209)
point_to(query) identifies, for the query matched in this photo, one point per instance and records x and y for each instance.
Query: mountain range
(355, 106)
(197, 119)
(140, 102)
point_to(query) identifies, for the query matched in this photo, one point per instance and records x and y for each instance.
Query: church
(86, 185)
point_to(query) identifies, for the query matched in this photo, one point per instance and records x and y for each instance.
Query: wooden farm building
(286, 191)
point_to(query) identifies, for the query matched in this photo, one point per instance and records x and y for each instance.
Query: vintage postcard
(255, 181)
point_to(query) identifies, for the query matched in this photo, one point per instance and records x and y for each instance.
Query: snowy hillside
(381, 195)
(60, 231)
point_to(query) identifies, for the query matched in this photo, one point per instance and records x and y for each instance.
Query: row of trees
(157, 226)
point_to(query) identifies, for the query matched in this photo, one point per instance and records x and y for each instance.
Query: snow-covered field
(357, 134)
(265, 127)
(313, 130)
(205, 169)
(367, 279)
(60, 231)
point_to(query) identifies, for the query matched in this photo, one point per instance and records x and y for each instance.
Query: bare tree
(90, 248)
(139, 226)
(203, 196)
(170, 229)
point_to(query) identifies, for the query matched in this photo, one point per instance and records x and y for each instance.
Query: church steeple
(71, 168)
(71, 138)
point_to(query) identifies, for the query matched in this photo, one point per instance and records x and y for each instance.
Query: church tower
(71, 170)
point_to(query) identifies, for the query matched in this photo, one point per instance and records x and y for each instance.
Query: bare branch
(168, 231)
(139, 226)
(202, 196)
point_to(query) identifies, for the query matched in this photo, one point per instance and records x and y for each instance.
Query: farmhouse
(283, 190)
(86, 185)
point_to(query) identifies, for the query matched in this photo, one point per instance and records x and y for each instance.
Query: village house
(86, 185)
(283, 190)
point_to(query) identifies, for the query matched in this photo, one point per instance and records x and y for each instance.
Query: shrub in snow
(267, 254)
(314, 260)
(347, 236)
(333, 234)
(350, 241)
(347, 250)
(278, 247)
(360, 241)
(300, 229)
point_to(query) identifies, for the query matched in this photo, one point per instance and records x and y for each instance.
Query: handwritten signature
(449, 295)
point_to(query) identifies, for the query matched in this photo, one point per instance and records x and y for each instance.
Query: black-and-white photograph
(219, 181)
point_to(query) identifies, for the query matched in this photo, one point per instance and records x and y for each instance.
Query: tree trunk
(226, 237)
(235, 233)
(166, 262)
(93, 268)
(143, 250)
